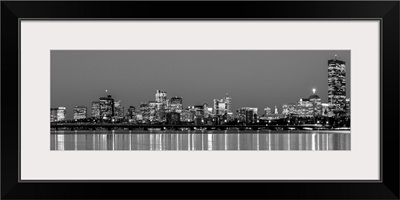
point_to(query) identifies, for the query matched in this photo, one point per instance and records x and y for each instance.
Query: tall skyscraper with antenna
(337, 83)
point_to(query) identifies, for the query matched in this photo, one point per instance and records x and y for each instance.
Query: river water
(201, 140)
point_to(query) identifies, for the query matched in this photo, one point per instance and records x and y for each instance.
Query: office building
(248, 114)
(53, 114)
(131, 112)
(61, 114)
(106, 107)
(289, 109)
(96, 109)
(337, 84)
(187, 115)
(156, 111)
(222, 106)
(327, 110)
(175, 104)
(118, 110)
(145, 111)
(316, 104)
(198, 114)
(267, 111)
(347, 108)
(80, 112)
(161, 97)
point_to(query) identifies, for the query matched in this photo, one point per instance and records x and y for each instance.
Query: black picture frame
(386, 11)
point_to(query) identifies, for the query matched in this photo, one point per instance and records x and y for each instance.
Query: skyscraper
(248, 114)
(95, 109)
(154, 110)
(145, 111)
(61, 113)
(222, 106)
(175, 104)
(160, 105)
(53, 114)
(228, 103)
(337, 84)
(317, 105)
(161, 97)
(118, 110)
(347, 107)
(131, 112)
(80, 112)
(304, 108)
(198, 112)
(106, 107)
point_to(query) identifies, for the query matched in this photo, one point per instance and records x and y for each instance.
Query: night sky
(253, 78)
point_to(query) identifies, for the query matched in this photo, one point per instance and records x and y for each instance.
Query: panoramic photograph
(200, 100)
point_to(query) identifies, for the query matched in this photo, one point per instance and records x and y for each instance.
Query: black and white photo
(200, 100)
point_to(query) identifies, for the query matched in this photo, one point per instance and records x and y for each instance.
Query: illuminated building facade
(118, 110)
(175, 104)
(145, 111)
(228, 101)
(316, 104)
(247, 114)
(254, 109)
(337, 84)
(159, 107)
(198, 114)
(61, 114)
(304, 108)
(53, 114)
(106, 107)
(156, 111)
(160, 112)
(208, 111)
(187, 115)
(222, 106)
(96, 109)
(152, 110)
(289, 109)
(161, 97)
(347, 108)
(267, 111)
(327, 110)
(131, 112)
(80, 112)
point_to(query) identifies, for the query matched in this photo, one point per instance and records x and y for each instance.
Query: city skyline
(277, 95)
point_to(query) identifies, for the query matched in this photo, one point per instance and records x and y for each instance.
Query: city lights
(164, 110)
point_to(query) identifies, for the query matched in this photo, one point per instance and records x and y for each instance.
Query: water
(199, 140)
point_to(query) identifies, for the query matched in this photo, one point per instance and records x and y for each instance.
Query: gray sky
(253, 78)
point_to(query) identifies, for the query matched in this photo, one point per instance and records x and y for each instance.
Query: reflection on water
(199, 140)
